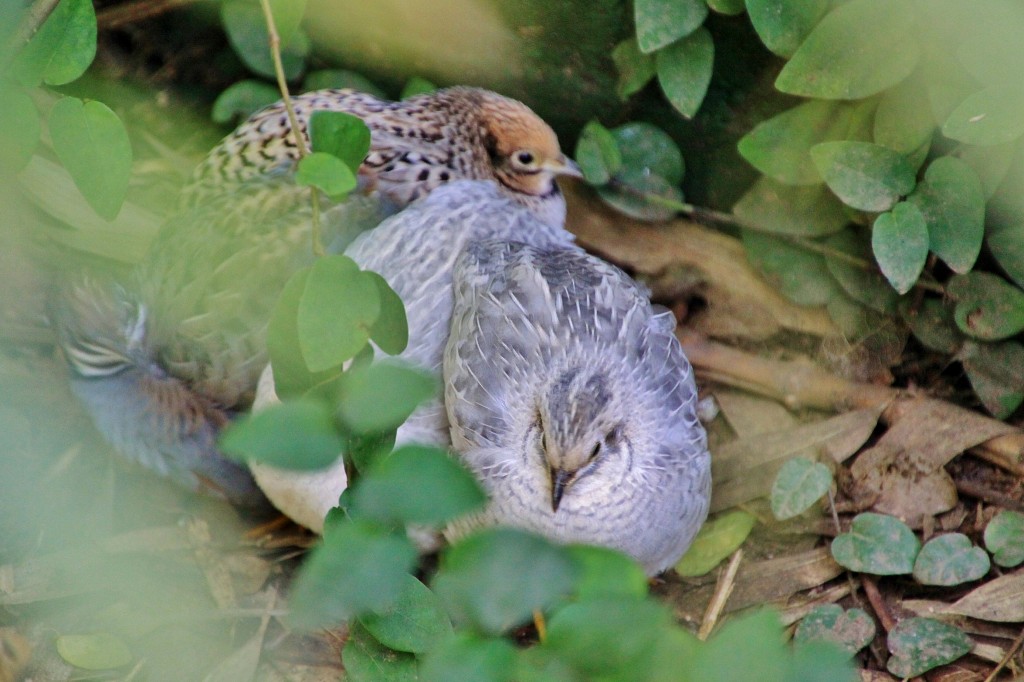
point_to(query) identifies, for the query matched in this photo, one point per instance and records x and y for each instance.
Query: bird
(571, 400)
(165, 357)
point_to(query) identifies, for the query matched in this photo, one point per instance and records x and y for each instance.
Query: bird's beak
(564, 166)
(560, 479)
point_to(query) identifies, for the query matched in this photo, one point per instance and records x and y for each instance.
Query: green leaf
(367, 660)
(932, 323)
(759, 636)
(899, 240)
(866, 287)
(415, 622)
(865, 176)
(597, 154)
(638, 194)
(62, 49)
(851, 629)
(878, 544)
(783, 25)
(93, 145)
(660, 23)
(496, 578)
(327, 173)
(242, 99)
(717, 539)
(859, 49)
(903, 120)
(990, 163)
(781, 146)
(19, 135)
(1004, 538)
(342, 135)
(920, 644)
(991, 116)
(417, 86)
(287, 16)
(1006, 241)
(297, 434)
(800, 275)
(96, 651)
(382, 396)
(798, 485)
(647, 148)
(987, 306)
(391, 330)
(810, 211)
(729, 8)
(684, 70)
(635, 68)
(403, 487)
(994, 370)
(360, 567)
(952, 202)
(338, 306)
(950, 559)
(291, 376)
(247, 32)
(605, 572)
(469, 657)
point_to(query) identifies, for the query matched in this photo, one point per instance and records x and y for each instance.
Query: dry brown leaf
(215, 569)
(749, 415)
(876, 676)
(903, 473)
(1000, 600)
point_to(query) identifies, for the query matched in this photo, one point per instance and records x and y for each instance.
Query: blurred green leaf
(851, 629)
(987, 306)
(903, 120)
(338, 306)
(867, 287)
(635, 68)
(877, 543)
(391, 330)
(646, 148)
(783, 25)
(403, 488)
(327, 173)
(865, 176)
(93, 145)
(950, 559)
(466, 656)
(991, 116)
(415, 622)
(815, 661)
(729, 8)
(859, 49)
(494, 579)
(247, 32)
(367, 660)
(242, 99)
(95, 651)
(382, 396)
(1004, 538)
(991, 163)
(798, 485)
(684, 70)
(636, 193)
(716, 540)
(759, 635)
(19, 135)
(606, 572)
(298, 434)
(994, 370)
(920, 644)
(63, 47)
(660, 23)
(899, 240)
(287, 16)
(933, 325)
(339, 79)
(800, 275)
(780, 147)
(417, 86)
(808, 211)
(952, 202)
(597, 154)
(1005, 239)
(360, 567)
(342, 135)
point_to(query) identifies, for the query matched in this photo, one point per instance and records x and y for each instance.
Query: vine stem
(293, 120)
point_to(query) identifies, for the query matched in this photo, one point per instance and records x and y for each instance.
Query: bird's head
(580, 428)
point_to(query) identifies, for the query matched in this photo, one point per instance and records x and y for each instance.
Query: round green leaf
(403, 487)
(1006, 241)
(987, 306)
(920, 644)
(859, 49)
(496, 578)
(729, 8)
(952, 202)
(636, 194)
(19, 135)
(950, 559)
(382, 396)
(759, 634)
(597, 154)
(991, 163)
(899, 240)
(662, 22)
(62, 49)
(1004, 537)
(298, 434)
(336, 311)
(327, 173)
(865, 176)
(991, 116)
(415, 622)
(780, 147)
(851, 629)
(783, 25)
(247, 32)
(470, 657)
(717, 539)
(932, 323)
(646, 148)
(287, 16)
(810, 211)
(799, 275)
(416, 86)
(995, 372)
(367, 660)
(798, 485)
(605, 572)
(97, 651)
(635, 68)
(878, 544)
(242, 99)
(93, 145)
(342, 135)
(391, 330)
(684, 71)
(866, 287)
(903, 120)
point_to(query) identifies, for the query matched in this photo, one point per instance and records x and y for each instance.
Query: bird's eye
(525, 158)
(543, 442)
(596, 451)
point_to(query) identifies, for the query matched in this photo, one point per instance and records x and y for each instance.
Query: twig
(990, 496)
(541, 625)
(133, 12)
(37, 13)
(723, 590)
(877, 602)
(1006, 657)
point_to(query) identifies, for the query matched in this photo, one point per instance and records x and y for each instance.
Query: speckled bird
(164, 358)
